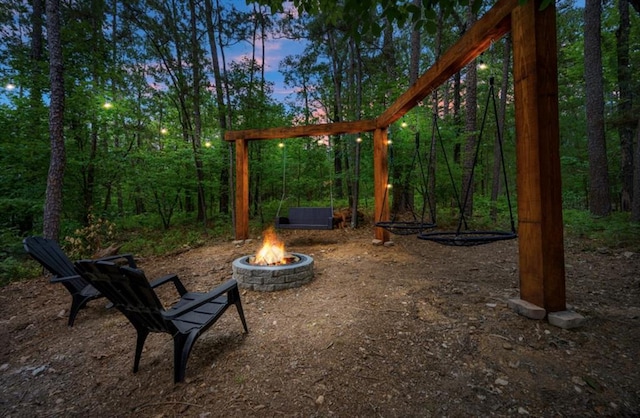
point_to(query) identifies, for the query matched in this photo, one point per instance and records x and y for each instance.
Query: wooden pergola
(540, 228)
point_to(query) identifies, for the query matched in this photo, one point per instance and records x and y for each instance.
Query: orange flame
(272, 251)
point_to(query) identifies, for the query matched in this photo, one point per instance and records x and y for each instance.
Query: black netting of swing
(405, 228)
(467, 238)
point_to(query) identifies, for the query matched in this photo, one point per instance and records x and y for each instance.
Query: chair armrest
(56, 279)
(169, 278)
(226, 287)
(128, 257)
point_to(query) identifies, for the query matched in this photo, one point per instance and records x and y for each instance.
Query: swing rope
(456, 195)
(331, 172)
(284, 176)
(304, 217)
(423, 186)
(504, 167)
(284, 179)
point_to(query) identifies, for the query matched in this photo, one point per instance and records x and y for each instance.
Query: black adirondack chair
(49, 254)
(133, 295)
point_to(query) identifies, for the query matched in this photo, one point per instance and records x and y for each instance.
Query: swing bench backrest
(307, 218)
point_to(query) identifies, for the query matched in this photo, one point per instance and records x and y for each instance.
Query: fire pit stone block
(272, 278)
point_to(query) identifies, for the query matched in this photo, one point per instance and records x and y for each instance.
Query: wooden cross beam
(540, 228)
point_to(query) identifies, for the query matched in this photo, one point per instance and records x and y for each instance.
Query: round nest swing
(405, 228)
(467, 238)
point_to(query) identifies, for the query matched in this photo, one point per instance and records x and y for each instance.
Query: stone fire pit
(271, 278)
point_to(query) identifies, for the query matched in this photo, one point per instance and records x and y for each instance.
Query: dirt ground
(415, 329)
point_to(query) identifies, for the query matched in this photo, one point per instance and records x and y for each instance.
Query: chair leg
(77, 302)
(234, 296)
(241, 313)
(182, 345)
(142, 337)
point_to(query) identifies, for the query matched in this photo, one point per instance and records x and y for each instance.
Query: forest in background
(149, 91)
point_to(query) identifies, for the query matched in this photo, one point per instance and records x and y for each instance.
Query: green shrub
(12, 269)
(19, 213)
(614, 231)
(14, 262)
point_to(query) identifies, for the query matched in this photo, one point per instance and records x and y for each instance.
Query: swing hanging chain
(446, 160)
(477, 152)
(407, 179)
(422, 187)
(504, 168)
(284, 179)
(416, 225)
(425, 183)
(472, 238)
(284, 176)
(490, 96)
(332, 157)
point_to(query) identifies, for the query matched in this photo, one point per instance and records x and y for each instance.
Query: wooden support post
(242, 189)
(540, 228)
(380, 181)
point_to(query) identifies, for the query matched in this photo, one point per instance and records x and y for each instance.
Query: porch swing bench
(306, 218)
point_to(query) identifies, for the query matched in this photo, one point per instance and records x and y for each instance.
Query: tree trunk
(227, 178)
(36, 28)
(599, 190)
(635, 205)
(497, 146)
(625, 107)
(196, 136)
(114, 59)
(222, 109)
(337, 73)
(435, 115)
(401, 201)
(53, 199)
(468, 164)
(414, 64)
(90, 173)
(35, 93)
(357, 58)
(226, 174)
(457, 105)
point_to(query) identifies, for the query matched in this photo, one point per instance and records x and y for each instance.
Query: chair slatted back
(49, 254)
(130, 292)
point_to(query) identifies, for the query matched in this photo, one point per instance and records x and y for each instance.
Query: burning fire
(272, 251)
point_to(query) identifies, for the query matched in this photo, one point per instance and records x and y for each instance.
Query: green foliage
(614, 231)
(134, 165)
(14, 264)
(448, 215)
(155, 242)
(14, 269)
(19, 213)
(391, 12)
